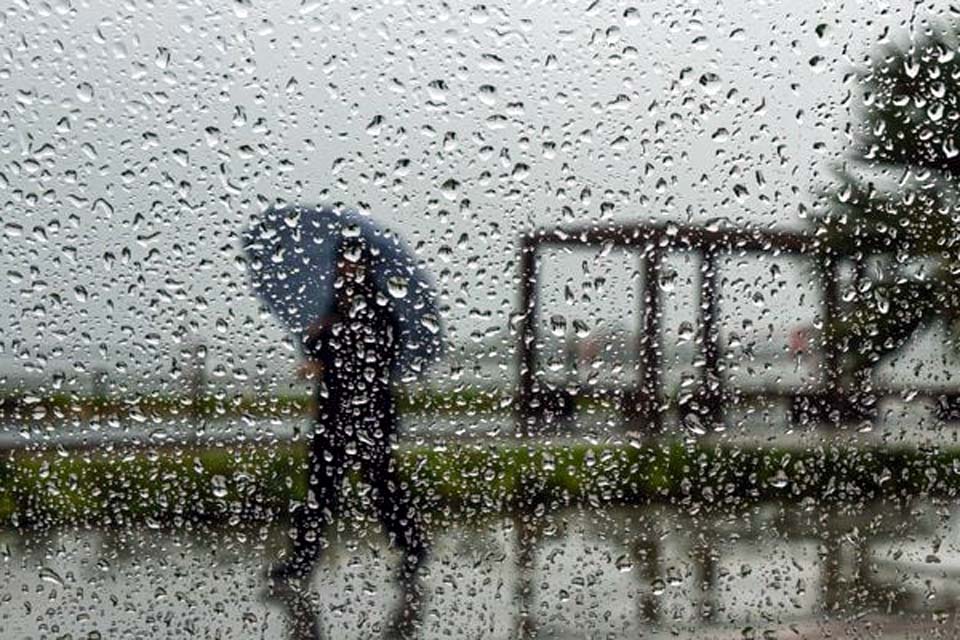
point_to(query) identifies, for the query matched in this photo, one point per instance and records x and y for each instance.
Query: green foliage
(188, 489)
(893, 207)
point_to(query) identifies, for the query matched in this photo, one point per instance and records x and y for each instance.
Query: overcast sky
(137, 138)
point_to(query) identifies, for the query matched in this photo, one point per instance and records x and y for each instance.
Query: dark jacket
(357, 347)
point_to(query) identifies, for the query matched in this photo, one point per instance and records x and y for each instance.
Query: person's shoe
(304, 619)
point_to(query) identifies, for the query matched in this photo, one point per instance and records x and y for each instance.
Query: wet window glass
(502, 320)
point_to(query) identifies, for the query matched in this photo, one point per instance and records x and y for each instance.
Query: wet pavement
(619, 573)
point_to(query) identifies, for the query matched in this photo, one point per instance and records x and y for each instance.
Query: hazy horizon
(138, 142)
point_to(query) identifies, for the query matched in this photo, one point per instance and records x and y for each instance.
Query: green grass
(184, 488)
(65, 406)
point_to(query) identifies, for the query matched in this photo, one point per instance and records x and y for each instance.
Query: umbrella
(292, 253)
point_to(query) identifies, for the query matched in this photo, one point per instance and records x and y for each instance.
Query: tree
(894, 208)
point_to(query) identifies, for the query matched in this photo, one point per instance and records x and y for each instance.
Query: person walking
(367, 329)
(352, 354)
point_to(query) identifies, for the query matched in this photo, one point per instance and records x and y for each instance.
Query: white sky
(137, 138)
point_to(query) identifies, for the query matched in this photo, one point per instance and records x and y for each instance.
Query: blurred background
(697, 266)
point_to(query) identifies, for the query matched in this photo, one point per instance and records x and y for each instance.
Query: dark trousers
(350, 436)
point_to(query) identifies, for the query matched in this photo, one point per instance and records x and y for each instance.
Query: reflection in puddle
(614, 573)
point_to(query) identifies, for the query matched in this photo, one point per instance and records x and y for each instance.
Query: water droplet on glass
(398, 286)
(218, 485)
(85, 92)
(558, 324)
(449, 189)
(710, 83)
(49, 575)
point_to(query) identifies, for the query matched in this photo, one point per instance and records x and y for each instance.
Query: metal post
(198, 377)
(98, 383)
(525, 625)
(859, 270)
(649, 348)
(707, 571)
(526, 353)
(711, 391)
(831, 563)
(831, 347)
(646, 552)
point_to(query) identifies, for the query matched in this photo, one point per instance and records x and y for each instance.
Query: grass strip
(192, 487)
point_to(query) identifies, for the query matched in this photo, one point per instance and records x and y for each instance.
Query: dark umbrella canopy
(292, 253)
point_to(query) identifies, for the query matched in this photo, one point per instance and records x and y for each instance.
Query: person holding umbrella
(365, 313)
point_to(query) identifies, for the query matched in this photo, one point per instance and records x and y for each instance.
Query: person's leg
(397, 511)
(392, 497)
(396, 508)
(325, 474)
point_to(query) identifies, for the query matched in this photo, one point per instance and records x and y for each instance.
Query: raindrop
(162, 59)
(558, 324)
(437, 90)
(520, 171)
(49, 575)
(780, 479)
(398, 286)
(431, 323)
(821, 31)
(487, 94)
(581, 329)
(212, 136)
(668, 279)
(883, 304)
(720, 135)
(449, 189)
(85, 92)
(479, 14)
(911, 67)
(710, 83)
(692, 423)
(375, 126)
(218, 485)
